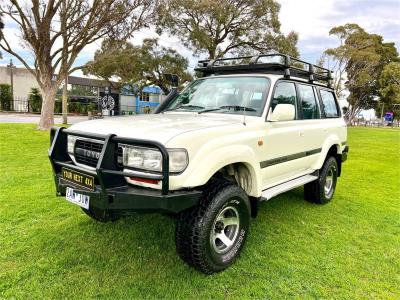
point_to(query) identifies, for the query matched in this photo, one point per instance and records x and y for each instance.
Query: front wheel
(321, 191)
(211, 235)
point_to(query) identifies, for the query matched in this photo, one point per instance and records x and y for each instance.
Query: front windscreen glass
(231, 95)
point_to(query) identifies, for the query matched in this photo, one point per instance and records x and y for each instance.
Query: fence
(20, 104)
(376, 123)
(133, 109)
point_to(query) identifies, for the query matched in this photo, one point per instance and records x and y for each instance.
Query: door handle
(301, 133)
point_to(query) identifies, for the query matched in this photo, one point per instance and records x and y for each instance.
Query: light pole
(11, 66)
(64, 102)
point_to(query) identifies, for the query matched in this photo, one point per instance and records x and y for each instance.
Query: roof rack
(272, 63)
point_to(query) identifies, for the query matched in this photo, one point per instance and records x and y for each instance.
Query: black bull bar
(111, 190)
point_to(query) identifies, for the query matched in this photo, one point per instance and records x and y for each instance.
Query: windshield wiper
(185, 106)
(235, 107)
(191, 106)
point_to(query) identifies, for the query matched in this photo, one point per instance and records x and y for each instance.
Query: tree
(1, 30)
(390, 83)
(358, 63)
(226, 26)
(138, 65)
(390, 89)
(58, 30)
(5, 97)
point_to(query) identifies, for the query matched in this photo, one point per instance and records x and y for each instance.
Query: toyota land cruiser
(249, 129)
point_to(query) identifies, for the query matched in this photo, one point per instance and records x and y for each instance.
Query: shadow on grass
(146, 241)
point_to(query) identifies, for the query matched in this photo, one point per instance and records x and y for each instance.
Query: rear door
(311, 129)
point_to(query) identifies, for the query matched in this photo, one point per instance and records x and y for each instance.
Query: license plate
(78, 178)
(76, 198)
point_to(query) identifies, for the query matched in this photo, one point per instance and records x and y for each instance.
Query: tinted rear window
(308, 102)
(329, 104)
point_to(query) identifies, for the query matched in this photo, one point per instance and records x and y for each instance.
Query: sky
(311, 19)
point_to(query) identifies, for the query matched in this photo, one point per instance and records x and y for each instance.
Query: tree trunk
(47, 112)
(211, 53)
(165, 89)
(352, 114)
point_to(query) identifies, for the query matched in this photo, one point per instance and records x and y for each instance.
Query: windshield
(231, 95)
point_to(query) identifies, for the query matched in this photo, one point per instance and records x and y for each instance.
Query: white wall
(127, 103)
(23, 81)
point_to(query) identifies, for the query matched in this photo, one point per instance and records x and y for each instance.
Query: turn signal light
(145, 180)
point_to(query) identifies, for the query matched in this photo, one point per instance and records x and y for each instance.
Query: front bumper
(111, 192)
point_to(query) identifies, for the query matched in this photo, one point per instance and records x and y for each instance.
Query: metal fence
(20, 104)
(133, 109)
(376, 123)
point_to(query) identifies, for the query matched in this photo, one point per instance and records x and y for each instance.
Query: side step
(286, 186)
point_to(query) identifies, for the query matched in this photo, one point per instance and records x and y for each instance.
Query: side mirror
(283, 112)
(173, 78)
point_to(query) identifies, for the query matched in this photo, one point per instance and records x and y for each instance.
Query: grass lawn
(349, 248)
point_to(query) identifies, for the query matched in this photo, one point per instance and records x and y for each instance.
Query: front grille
(87, 152)
(120, 157)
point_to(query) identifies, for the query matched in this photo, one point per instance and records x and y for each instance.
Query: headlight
(151, 159)
(71, 143)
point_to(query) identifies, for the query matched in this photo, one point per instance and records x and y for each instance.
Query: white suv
(249, 129)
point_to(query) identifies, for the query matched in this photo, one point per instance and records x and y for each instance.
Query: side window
(308, 102)
(285, 93)
(329, 104)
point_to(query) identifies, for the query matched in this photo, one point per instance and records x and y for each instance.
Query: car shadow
(146, 241)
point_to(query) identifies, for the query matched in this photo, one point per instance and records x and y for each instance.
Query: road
(33, 118)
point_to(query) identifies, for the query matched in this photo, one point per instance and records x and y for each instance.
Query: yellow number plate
(78, 178)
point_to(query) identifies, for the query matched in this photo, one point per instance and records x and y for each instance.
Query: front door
(283, 157)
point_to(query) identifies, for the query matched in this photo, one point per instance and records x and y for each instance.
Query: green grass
(348, 248)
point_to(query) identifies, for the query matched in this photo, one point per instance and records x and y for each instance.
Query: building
(83, 92)
(23, 80)
(132, 100)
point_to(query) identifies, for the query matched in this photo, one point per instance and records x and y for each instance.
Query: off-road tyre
(316, 191)
(197, 227)
(100, 215)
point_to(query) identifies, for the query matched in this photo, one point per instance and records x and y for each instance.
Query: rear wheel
(321, 191)
(211, 235)
(100, 215)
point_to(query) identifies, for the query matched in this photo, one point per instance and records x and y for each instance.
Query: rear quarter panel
(335, 134)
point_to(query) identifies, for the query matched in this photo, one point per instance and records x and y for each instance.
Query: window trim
(339, 111)
(272, 96)
(316, 98)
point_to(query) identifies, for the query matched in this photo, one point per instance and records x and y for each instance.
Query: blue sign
(388, 117)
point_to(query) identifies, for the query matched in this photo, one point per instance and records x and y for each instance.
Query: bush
(58, 107)
(5, 97)
(92, 107)
(83, 109)
(35, 100)
(72, 107)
